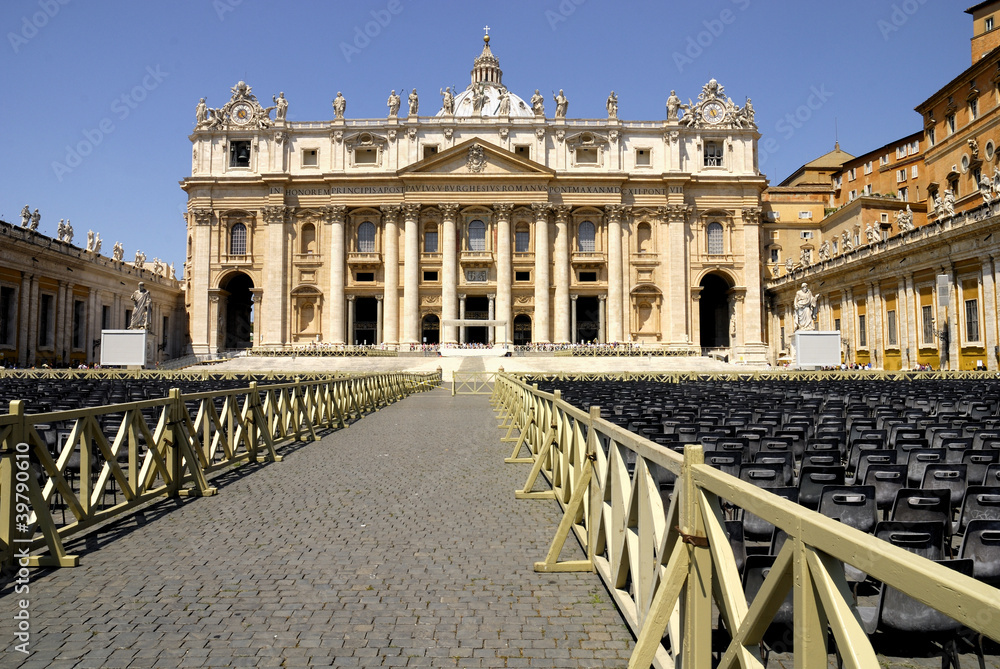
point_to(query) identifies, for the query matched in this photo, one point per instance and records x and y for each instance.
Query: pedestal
(816, 348)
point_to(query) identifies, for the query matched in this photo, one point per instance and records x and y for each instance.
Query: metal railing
(112, 459)
(664, 564)
(472, 383)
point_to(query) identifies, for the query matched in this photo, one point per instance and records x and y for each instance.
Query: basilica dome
(484, 96)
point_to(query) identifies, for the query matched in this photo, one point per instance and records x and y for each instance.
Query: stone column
(752, 336)
(542, 265)
(379, 338)
(847, 319)
(615, 278)
(572, 321)
(32, 308)
(350, 320)
(93, 330)
(990, 312)
(738, 316)
(257, 297)
(275, 279)
(696, 321)
(504, 268)
(627, 274)
(449, 269)
(335, 216)
(602, 320)
(491, 331)
(461, 315)
(215, 344)
(200, 229)
(411, 274)
(26, 313)
(678, 299)
(390, 222)
(563, 331)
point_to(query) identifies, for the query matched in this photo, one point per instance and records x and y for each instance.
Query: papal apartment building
(480, 216)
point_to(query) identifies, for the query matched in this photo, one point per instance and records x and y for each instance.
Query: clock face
(713, 112)
(241, 113)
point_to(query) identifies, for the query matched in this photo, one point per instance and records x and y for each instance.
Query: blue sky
(118, 80)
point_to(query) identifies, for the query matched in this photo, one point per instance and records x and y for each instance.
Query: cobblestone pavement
(396, 542)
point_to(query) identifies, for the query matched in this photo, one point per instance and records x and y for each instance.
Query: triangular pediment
(475, 157)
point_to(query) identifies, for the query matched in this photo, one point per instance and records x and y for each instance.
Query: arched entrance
(588, 319)
(365, 320)
(477, 307)
(236, 329)
(522, 330)
(714, 312)
(430, 329)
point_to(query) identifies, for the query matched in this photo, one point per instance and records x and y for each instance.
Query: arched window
(644, 238)
(715, 239)
(308, 241)
(522, 238)
(477, 235)
(587, 233)
(430, 238)
(366, 237)
(238, 240)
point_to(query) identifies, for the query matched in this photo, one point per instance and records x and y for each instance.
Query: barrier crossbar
(666, 561)
(79, 462)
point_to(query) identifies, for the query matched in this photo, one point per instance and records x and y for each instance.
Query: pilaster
(543, 264)
(390, 226)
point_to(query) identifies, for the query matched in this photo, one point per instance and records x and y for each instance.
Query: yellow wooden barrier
(665, 565)
(160, 447)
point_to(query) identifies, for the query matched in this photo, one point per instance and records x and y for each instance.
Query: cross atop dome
(486, 68)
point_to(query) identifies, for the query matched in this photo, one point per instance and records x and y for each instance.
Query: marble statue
(986, 189)
(748, 114)
(776, 270)
(140, 260)
(157, 267)
(414, 102)
(90, 240)
(805, 257)
(68, 233)
(805, 308)
(97, 243)
(478, 98)
(339, 106)
(143, 308)
(447, 101)
(904, 219)
(872, 235)
(504, 107)
(673, 106)
(36, 218)
(393, 104)
(171, 273)
(118, 253)
(612, 105)
(789, 265)
(949, 203)
(562, 104)
(25, 216)
(974, 148)
(201, 114)
(538, 103)
(938, 205)
(281, 106)
(824, 250)
(845, 241)
(61, 229)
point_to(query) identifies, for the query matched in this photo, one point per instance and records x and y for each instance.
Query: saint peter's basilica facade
(412, 229)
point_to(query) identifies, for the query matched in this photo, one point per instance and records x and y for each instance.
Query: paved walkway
(395, 542)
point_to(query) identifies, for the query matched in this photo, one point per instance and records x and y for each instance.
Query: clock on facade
(241, 113)
(713, 112)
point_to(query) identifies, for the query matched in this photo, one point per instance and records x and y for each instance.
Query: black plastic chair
(977, 463)
(812, 479)
(921, 537)
(917, 461)
(947, 476)
(981, 502)
(923, 504)
(851, 505)
(981, 544)
(758, 529)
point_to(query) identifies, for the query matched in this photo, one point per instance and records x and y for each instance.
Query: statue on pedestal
(538, 103)
(612, 105)
(393, 104)
(872, 235)
(143, 309)
(201, 114)
(414, 102)
(68, 234)
(281, 107)
(90, 240)
(97, 243)
(805, 308)
(562, 104)
(25, 216)
(339, 106)
(447, 101)
(35, 219)
(504, 107)
(673, 106)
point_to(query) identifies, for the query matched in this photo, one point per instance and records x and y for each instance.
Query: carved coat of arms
(477, 158)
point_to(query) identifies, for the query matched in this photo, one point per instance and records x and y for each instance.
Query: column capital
(334, 213)
(751, 215)
(202, 216)
(461, 296)
(491, 296)
(275, 215)
(390, 212)
(562, 212)
(541, 209)
(449, 209)
(615, 212)
(600, 298)
(573, 297)
(411, 210)
(379, 298)
(502, 210)
(350, 298)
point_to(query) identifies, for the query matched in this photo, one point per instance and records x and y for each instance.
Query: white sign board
(123, 347)
(816, 348)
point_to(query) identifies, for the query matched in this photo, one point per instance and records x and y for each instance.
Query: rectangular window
(950, 121)
(105, 317)
(46, 321)
(989, 23)
(862, 334)
(806, 234)
(586, 156)
(522, 276)
(642, 158)
(713, 154)
(783, 347)
(973, 109)
(853, 195)
(913, 171)
(805, 215)
(430, 150)
(852, 174)
(904, 193)
(914, 147)
(901, 175)
(972, 320)
(522, 241)
(884, 160)
(8, 315)
(588, 277)
(367, 156)
(364, 277)
(165, 331)
(523, 150)
(868, 189)
(838, 182)
(431, 241)
(977, 178)
(900, 152)
(884, 218)
(890, 327)
(868, 167)
(930, 136)
(774, 255)
(836, 324)
(79, 324)
(239, 153)
(310, 158)
(430, 277)
(128, 316)
(927, 324)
